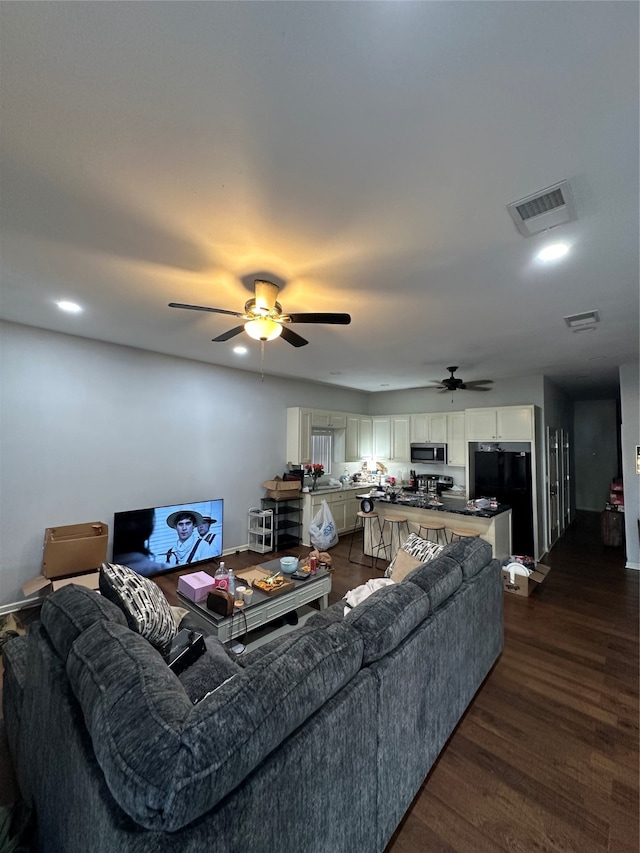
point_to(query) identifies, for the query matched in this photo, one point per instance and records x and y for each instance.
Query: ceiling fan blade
(330, 319)
(203, 308)
(225, 336)
(293, 338)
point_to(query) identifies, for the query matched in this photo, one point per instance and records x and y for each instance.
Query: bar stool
(438, 531)
(395, 523)
(365, 522)
(458, 533)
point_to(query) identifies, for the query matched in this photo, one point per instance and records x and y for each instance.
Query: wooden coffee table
(264, 609)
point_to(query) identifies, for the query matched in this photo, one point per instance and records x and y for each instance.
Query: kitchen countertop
(448, 505)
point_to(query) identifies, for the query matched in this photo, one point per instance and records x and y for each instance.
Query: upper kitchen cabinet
(391, 438)
(428, 427)
(506, 423)
(333, 420)
(299, 436)
(359, 438)
(456, 443)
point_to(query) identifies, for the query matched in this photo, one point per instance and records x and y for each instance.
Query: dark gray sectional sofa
(317, 742)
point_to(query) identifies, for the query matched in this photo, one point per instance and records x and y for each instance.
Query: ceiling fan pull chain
(261, 361)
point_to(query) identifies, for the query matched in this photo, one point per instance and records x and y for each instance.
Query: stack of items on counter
(521, 575)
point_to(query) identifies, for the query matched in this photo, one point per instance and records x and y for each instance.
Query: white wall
(88, 429)
(630, 433)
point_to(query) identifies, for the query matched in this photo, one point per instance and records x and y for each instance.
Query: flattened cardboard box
(45, 585)
(525, 586)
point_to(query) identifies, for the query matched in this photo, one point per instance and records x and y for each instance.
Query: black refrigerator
(507, 477)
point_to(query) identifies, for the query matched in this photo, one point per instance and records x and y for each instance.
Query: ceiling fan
(453, 383)
(263, 319)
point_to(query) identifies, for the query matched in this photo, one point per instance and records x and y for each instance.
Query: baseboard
(15, 606)
(634, 566)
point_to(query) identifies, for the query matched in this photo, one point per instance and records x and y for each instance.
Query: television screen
(160, 539)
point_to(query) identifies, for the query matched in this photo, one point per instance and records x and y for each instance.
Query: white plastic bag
(322, 530)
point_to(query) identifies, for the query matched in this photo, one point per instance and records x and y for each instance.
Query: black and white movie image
(161, 539)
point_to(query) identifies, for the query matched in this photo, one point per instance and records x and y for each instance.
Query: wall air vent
(543, 210)
(582, 322)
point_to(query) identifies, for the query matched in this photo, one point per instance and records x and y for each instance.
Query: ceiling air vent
(584, 322)
(543, 210)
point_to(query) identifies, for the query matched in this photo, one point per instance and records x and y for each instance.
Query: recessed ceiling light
(335, 373)
(240, 350)
(553, 252)
(384, 384)
(70, 307)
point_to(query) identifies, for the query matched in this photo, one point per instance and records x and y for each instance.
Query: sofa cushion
(472, 554)
(166, 761)
(211, 669)
(143, 603)
(70, 610)
(439, 579)
(422, 550)
(387, 616)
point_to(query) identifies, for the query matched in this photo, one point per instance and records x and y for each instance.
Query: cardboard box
(195, 586)
(70, 554)
(282, 490)
(44, 586)
(74, 549)
(524, 586)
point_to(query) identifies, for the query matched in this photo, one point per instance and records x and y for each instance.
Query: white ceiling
(361, 154)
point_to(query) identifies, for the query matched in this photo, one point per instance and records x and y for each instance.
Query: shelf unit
(287, 521)
(260, 530)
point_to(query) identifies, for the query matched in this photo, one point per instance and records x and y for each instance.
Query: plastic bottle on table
(232, 582)
(221, 577)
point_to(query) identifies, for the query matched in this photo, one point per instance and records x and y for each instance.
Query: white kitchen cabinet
(366, 438)
(352, 439)
(343, 506)
(333, 420)
(391, 438)
(428, 427)
(437, 427)
(505, 423)
(299, 436)
(358, 438)
(456, 443)
(382, 438)
(419, 428)
(400, 438)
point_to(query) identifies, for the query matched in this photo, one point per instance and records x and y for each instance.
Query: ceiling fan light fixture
(263, 329)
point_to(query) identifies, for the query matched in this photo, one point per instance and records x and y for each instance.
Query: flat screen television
(161, 539)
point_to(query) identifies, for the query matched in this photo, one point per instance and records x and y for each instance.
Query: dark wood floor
(546, 757)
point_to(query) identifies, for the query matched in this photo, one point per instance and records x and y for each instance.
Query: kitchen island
(492, 525)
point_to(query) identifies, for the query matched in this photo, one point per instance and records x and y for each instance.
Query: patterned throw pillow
(421, 549)
(143, 603)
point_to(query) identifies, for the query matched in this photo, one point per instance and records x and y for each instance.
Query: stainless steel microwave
(428, 452)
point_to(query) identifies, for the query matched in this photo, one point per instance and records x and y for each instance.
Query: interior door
(553, 485)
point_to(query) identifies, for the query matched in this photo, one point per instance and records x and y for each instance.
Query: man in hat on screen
(203, 529)
(190, 547)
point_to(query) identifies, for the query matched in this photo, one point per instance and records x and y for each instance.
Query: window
(322, 448)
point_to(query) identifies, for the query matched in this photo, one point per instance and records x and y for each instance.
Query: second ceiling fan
(453, 383)
(264, 319)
